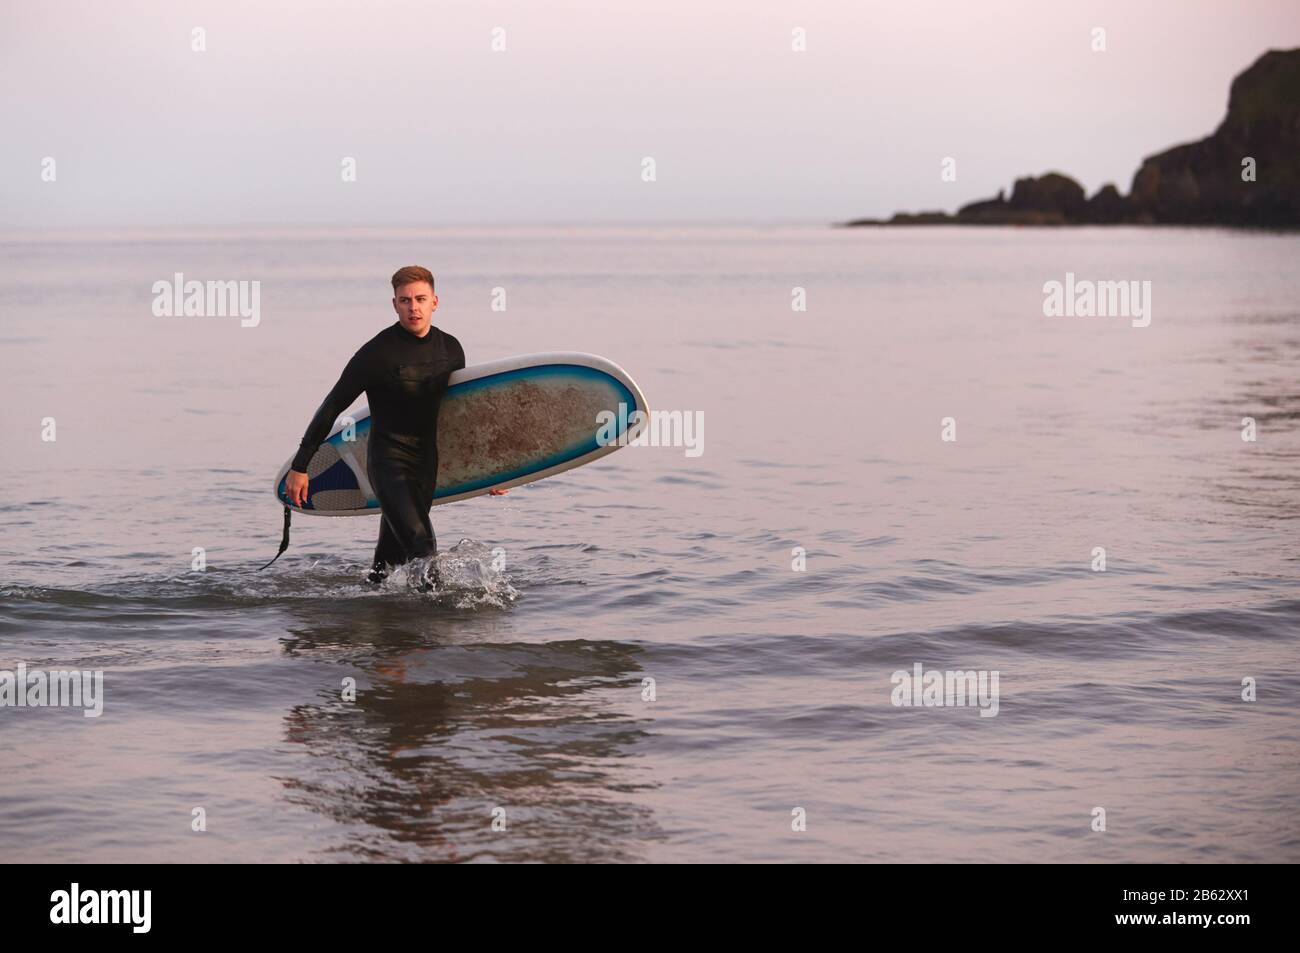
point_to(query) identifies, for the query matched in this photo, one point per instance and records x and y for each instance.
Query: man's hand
(295, 487)
(497, 492)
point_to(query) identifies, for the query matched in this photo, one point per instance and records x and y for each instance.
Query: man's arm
(350, 385)
(457, 355)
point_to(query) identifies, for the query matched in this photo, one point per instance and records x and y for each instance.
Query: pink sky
(445, 131)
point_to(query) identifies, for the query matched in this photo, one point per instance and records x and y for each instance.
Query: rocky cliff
(1246, 173)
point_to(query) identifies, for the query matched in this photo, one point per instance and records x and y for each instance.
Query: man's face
(415, 304)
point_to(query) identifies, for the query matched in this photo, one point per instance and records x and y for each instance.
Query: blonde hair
(404, 276)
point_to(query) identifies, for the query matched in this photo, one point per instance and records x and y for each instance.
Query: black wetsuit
(404, 378)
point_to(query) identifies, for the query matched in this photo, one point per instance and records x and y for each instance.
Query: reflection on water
(441, 740)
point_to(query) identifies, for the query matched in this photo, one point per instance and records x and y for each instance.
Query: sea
(939, 576)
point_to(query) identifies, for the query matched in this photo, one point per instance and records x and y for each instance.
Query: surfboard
(500, 424)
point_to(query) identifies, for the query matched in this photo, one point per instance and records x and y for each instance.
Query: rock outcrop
(1246, 173)
(1202, 183)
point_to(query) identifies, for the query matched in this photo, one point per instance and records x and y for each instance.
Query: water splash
(467, 576)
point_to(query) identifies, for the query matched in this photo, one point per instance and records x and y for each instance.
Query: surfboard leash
(284, 540)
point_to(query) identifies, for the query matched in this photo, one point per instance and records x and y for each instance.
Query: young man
(403, 370)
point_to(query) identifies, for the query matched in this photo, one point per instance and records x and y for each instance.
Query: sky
(255, 128)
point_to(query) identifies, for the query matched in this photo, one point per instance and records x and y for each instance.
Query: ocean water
(664, 655)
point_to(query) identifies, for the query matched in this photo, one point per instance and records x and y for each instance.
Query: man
(403, 370)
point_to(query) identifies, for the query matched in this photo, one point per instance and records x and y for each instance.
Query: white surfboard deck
(500, 424)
